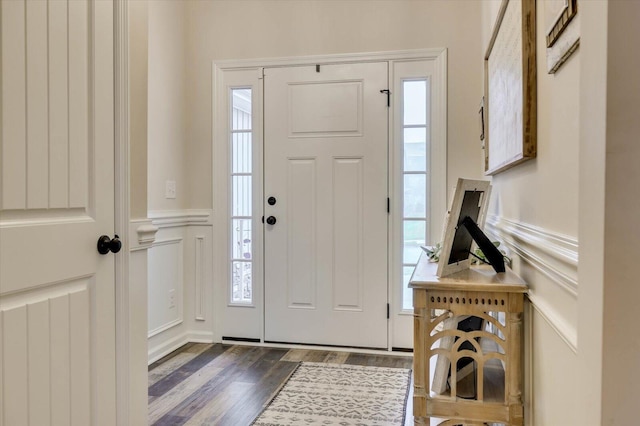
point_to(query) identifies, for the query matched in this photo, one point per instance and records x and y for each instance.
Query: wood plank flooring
(228, 385)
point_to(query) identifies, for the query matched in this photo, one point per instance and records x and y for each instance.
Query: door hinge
(388, 205)
(388, 310)
(388, 92)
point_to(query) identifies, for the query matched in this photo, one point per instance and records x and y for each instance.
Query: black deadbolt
(271, 220)
(271, 201)
(106, 244)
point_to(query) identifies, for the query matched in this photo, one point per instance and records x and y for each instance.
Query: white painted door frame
(129, 404)
(433, 70)
(438, 195)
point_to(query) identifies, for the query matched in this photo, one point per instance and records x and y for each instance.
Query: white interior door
(326, 133)
(57, 316)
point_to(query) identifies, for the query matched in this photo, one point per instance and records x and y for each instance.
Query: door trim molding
(439, 55)
(329, 59)
(122, 211)
(435, 71)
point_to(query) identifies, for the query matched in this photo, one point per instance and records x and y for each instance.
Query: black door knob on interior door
(271, 220)
(106, 244)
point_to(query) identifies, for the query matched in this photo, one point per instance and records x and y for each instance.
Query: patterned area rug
(340, 394)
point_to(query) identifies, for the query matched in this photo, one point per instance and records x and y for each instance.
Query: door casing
(438, 160)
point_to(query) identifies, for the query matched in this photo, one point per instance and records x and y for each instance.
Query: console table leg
(514, 377)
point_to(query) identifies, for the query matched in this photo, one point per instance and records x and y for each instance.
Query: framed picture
(563, 31)
(510, 88)
(471, 199)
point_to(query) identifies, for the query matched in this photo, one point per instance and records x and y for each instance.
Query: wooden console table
(496, 355)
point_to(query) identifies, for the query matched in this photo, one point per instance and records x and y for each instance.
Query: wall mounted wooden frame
(563, 31)
(567, 10)
(511, 87)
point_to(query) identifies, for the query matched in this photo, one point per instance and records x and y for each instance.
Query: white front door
(57, 301)
(325, 164)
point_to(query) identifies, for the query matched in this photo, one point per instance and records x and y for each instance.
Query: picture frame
(481, 118)
(471, 199)
(563, 31)
(510, 88)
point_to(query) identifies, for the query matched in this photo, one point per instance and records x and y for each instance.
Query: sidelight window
(241, 196)
(415, 173)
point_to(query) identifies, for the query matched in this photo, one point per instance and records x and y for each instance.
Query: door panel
(301, 236)
(336, 109)
(326, 163)
(57, 306)
(348, 210)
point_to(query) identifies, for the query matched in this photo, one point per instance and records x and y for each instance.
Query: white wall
(621, 375)
(186, 36)
(534, 209)
(609, 229)
(167, 131)
(258, 29)
(593, 125)
(176, 259)
(138, 77)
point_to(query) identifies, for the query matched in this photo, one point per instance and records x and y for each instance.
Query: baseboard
(171, 345)
(165, 348)
(200, 336)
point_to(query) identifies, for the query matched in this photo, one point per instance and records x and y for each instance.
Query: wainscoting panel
(165, 285)
(200, 260)
(553, 378)
(179, 260)
(548, 261)
(141, 236)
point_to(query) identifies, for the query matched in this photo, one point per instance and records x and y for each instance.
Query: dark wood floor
(202, 384)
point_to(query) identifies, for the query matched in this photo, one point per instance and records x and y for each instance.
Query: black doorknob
(271, 220)
(271, 201)
(106, 244)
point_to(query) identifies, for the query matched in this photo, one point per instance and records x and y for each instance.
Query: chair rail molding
(176, 218)
(144, 231)
(554, 255)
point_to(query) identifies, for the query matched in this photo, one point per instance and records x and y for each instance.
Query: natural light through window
(241, 193)
(415, 147)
